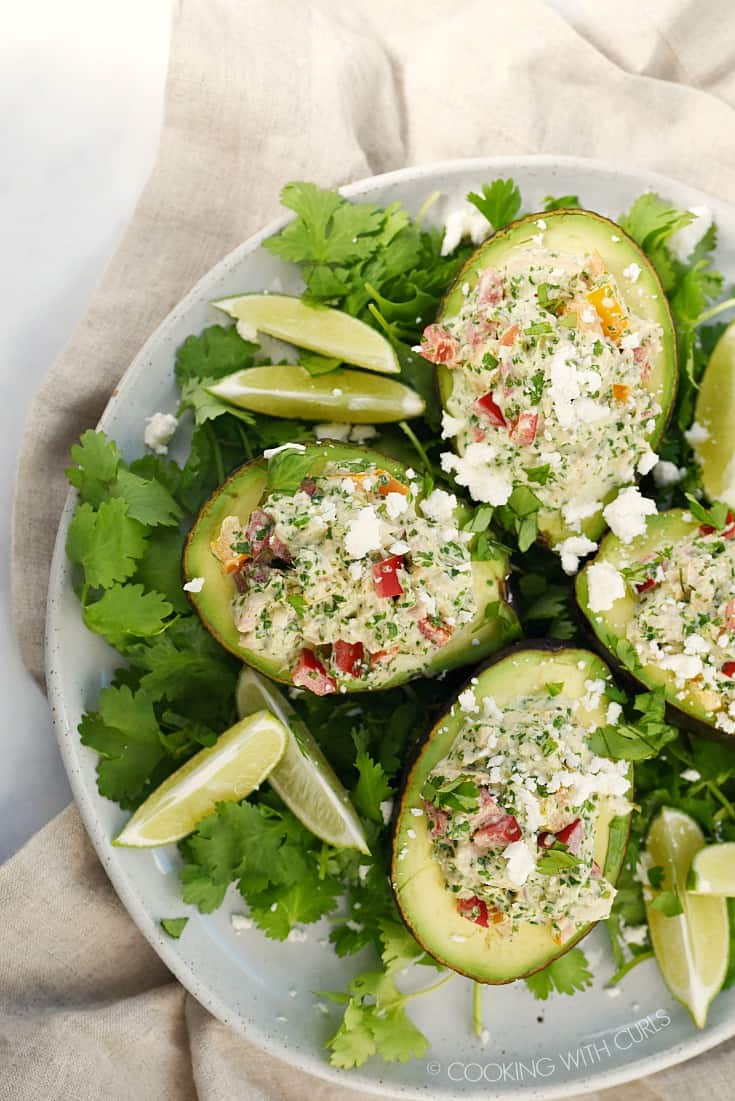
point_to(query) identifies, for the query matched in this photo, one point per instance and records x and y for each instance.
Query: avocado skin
(594, 526)
(197, 560)
(542, 647)
(685, 720)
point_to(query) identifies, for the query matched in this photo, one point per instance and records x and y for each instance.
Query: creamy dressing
(309, 569)
(519, 794)
(685, 621)
(548, 382)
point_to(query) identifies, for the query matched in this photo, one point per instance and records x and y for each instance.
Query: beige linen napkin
(260, 93)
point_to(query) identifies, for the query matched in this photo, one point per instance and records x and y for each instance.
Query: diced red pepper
(489, 408)
(474, 909)
(728, 532)
(349, 657)
(644, 586)
(478, 435)
(729, 668)
(385, 576)
(439, 346)
(258, 530)
(572, 835)
(310, 673)
(438, 818)
(525, 428)
(497, 834)
(490, 287)
(730, 615)
(439, 634)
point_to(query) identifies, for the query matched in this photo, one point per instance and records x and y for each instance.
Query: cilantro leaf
(500, 202)
(566, 975)
(316, 364)
(125, 733)
(669, 903)
(555, 861)
(174, 926)
(563, 202)
(97, 460)
(276, 910)
(372, 787)
(148, 501)
(124, 611)
(106, 543)
(159, 570)
(715, 516)
(287, 470)
(216, 352)
(327, 228)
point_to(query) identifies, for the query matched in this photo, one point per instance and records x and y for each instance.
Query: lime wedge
(715, 412)
(691, 948)
(229, 770)
(318, 328)
(287, 390)
(303, 778)
(713, 871)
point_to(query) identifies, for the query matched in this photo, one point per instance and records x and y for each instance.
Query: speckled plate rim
(87, 799)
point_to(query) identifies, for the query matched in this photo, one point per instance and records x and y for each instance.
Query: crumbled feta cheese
(541, 223)
(667, 474)
(630, 342)
(614, 711)
(195, 585)
(473, 470)
(271, 451)
(695, 644)
(521, 862)
(417, 812)
(355, 569)
(297, 936)
(697, 433)
(685, 240)
(158, 432)
(490, 710)
(612, 991)
(240, 923)
(336, 392)
(399, 547)
(632, 272)
(458, 938)
(626, 515)
(396, 504)
(332, 431)
(411, 833)
(463, 222)
(439, 506)
(386, 809)
(578, 509)
(605, 585)
(683, 666)
(691, 775)
(572, 549)
(468, 702)
(634, 934)
(364, 534)
(647, 462)
(360, 433)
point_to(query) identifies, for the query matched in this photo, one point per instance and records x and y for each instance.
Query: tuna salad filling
(355, 575)
(548, 371)
(685, 621)
(513, 809)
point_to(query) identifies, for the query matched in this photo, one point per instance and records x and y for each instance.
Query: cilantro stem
(613, 931)
(477, 1021)
(408, 431)
(623, 971)
(428, 989)
(721, 798)
(244, 440)
(713, 311)
(217, 453)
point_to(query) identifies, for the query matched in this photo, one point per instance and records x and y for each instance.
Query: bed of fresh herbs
(174, 690)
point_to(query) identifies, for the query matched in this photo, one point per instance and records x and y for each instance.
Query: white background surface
(81, 89)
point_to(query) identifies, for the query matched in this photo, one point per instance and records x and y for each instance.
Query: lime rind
(303, 778)
(319, 328)
(228, 771)
(714, 418)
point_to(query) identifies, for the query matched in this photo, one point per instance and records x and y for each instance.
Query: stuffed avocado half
(663, 607)
(328, 566)
(556, 363)
(511, 831)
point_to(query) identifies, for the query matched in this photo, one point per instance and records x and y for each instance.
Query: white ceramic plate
(263, 989)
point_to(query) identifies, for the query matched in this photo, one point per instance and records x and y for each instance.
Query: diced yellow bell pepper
(610, 311)
(621, 392)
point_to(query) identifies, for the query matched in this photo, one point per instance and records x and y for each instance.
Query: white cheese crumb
(683, 666)
(614, 237)
(297, 936)
(572, 549)
(468, 702)
(632, 272)
(395, 504)
(271, 451)
(521, 862)
(336, 392)
(364, 533)
(240, 923)
(685, 240)
(355, 570)
(457, 938)
(614, 711)
(612, 991)
(417, 812)
(578, 509)
(411, 833)
(321, 1007)
(630, 342)
(647, 461)
(484, 1037)
(158, 432)
(332, 431)
(697, 433)
(386, 809)
(541, 223)
(626, 515)
(634, 934)
(399, 547)
(691, 775)
(605, 585)
(465, 289)
(491, 710)
(360, 433)
(279, 1016)
(195, 585)
(439, 506)
(463, 222)
(473, 470)
(667, 474)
